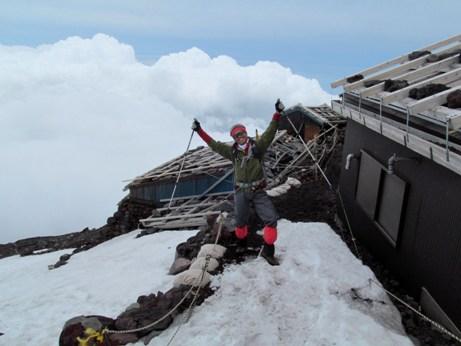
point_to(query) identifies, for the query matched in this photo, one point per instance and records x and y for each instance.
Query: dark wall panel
(368, 184)
(391, 205)
(428, 249)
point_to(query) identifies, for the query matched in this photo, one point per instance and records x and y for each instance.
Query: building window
(391, 203)
(368, 184)
(381, 196)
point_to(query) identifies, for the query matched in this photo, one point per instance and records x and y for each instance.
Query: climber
(247, 157)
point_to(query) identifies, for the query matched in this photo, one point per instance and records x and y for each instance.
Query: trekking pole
(180, 169)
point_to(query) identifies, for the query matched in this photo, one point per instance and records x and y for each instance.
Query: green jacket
(249, 169)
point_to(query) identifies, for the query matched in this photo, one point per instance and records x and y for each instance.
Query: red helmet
(236, 129)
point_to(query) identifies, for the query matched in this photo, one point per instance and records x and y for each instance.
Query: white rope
(435, 324)
(188, 313)
(329, 184)
(150, 325)
(128, 331)
(348, 224)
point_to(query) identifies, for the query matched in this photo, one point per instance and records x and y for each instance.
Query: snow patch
(283, 188)
(310, 299)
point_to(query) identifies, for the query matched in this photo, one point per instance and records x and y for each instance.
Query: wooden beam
(431, 101)
(195, 196)
(182, 225)
(173, 217)
(412, 75)
(184, 207)
(398, 60)
(455, 121)
(403, 93)
(190, 170)
(396, 71)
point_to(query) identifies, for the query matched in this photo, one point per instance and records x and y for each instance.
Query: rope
(188, 314)
(348, 224)
(135, 330)
(435, 324)
(330, 185)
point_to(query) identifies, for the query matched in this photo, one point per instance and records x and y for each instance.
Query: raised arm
(268, 135)
(221, 148)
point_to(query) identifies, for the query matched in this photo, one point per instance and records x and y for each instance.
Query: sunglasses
(240, 135)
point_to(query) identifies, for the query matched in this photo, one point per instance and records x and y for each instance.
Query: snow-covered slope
(305, 301)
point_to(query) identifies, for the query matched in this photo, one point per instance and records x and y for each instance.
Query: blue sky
(318, 39)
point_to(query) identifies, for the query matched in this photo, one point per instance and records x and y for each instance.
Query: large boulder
(75, 327)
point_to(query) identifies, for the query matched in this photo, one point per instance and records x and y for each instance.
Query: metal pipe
(390, 164)
(349, 157)
(394, 159)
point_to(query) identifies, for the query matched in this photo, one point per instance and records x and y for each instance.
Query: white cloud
(81, 115)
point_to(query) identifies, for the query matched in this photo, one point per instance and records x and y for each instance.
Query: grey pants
(263, 206)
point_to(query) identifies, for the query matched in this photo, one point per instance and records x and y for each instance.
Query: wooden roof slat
(412, 75)
(455, 121)
(403, 93)
(399, 60)
(417, 63)
(431, 101)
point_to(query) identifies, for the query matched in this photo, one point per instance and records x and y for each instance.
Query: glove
(195, 125)
(279, 106)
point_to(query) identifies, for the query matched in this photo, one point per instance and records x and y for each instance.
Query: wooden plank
(195, 196)
(173, 217)
(388, 74)
(455, 121)
(403, 93)
(431, 101)
(191, 170)
(398, 60)
(411, 76)
(397, 70)
(188, 224)
(184, 206)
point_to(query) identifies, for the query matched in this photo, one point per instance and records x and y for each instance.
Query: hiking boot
(268, 254)
(242, 245)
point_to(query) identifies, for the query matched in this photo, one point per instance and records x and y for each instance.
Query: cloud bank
(80, 116)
